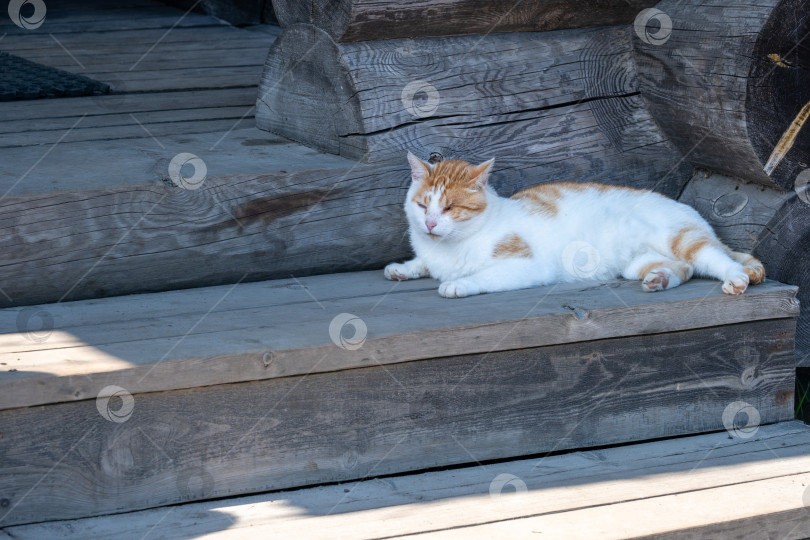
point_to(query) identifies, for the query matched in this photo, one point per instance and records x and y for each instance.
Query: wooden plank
(17, 133)
(179, 79)
(83, 12)
(196, 348)
(215, 122)
(773, 505)
(737, 211)
(379, 420)
(442, 500)
(366, 20)
(75, 108)
(138, 38)
(219, 121)
(556, 106)
(228, 147)
(721, 86)
(104, 25)
(111, 62)
(120, 49)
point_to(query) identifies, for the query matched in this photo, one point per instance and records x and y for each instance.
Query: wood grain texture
(728, 83)
(152, 237)
(738, 211)
(82, 161)
(547, 106)
(283, 328)
(367, 20)
(441, 500)
(698, 515)
(293, 431)
(557, 485)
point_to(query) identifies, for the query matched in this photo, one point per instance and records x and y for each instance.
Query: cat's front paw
(736, 284)
(458, 289)
(400, 272)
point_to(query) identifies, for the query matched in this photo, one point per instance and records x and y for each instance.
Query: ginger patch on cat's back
(512, 246)
(541, 199)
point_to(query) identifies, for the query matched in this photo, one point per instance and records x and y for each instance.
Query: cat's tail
(752, 266)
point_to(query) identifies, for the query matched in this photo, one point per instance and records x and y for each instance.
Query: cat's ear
(480, 174)
(419, 169)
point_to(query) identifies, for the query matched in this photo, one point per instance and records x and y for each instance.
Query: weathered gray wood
(85, 164)
(248, 227)
(292, 431)
(189, 339)
(737, 211)
(785, 249)
(172, 17)
(236, 12)
(366, 20)
(729, 82)
(774, 505)
(216, 121)
(110, 61)
(442, 500)
(559, 105)
(180, 79)
(62, 113)
(140, 39)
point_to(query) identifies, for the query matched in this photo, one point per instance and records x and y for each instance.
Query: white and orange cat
(474, 241)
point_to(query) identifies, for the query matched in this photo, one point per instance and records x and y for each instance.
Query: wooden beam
(366, 20)
(66, 460)
(551, 106)
(729, 84)
(233, 228)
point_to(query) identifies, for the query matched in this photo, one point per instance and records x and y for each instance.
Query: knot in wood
(435, 157)
(748, 376)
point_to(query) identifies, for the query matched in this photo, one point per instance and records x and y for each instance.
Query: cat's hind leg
(752, 266)
(697, 245)
(717, 261)
(413, 269)
(657, 272)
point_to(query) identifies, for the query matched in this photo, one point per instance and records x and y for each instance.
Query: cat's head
(446, 198)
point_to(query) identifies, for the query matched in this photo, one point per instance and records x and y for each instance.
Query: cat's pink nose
(431, 224)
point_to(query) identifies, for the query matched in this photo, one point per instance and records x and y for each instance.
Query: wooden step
(705, 486)
(296, 382)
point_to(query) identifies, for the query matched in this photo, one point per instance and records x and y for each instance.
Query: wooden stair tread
(708, 484)
(264, 330)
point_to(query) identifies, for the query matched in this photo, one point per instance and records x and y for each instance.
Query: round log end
(778, 105)
(329, 15)
(729, 84)
(306, 93)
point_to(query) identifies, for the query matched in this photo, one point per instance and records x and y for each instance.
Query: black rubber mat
(23, 79)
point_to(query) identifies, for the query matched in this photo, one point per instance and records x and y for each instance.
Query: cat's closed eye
(447, 208)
